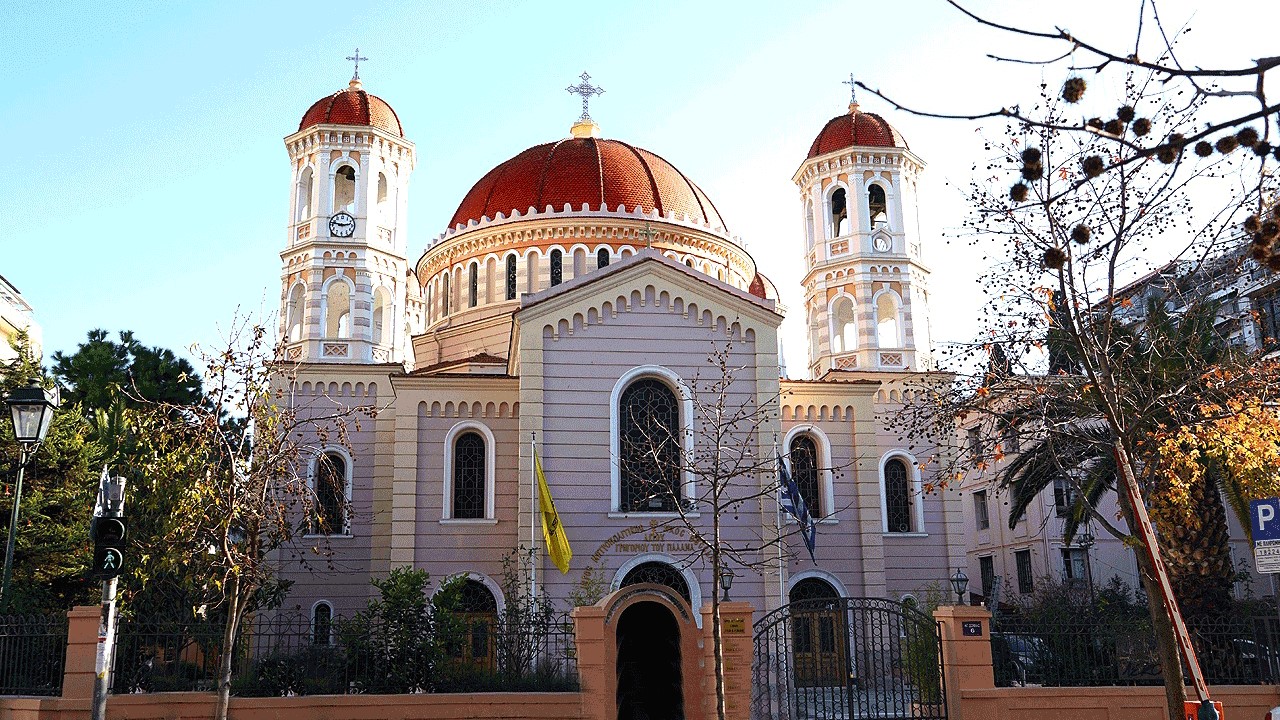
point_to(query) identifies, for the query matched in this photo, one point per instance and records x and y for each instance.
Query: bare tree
(247, 449)
(729, 456)
(1074, 208)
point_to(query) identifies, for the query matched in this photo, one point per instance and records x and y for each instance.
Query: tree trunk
(1199, 558)
(1175, 692)
(716, 637)
(228, 650)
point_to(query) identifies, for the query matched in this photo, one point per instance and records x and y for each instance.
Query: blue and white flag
(793, 502)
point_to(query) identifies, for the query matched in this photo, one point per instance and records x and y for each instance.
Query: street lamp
(31, 409)
(726, 582)
(1085, 540)
(959, 582)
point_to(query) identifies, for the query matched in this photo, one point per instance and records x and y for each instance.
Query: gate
(847, 658)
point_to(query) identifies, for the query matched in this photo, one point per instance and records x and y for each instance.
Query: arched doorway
(649, 667)
(819, 639)
(477, 617)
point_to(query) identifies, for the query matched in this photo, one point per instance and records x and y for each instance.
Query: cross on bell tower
(853, 91)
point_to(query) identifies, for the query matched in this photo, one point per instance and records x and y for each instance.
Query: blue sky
(146, 185)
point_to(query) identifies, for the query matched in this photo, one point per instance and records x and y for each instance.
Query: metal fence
(843, 658)
(33, 653)
(1090, 650)
(286, 655)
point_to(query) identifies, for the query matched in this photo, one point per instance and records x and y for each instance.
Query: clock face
(882, 244)
(342, 225)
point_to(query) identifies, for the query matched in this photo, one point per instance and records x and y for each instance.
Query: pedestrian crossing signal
(107, 562)
(108, 546)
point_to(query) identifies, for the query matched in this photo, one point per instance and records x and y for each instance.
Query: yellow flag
(552, 531)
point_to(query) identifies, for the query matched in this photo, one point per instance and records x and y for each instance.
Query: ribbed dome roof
(855, 128)
(591, 171)
(353, 106)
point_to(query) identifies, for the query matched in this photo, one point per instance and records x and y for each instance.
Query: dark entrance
(649, 675)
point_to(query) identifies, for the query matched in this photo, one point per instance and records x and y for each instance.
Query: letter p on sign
(1265, 516)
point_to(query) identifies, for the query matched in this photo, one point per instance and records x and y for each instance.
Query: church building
(573, 301)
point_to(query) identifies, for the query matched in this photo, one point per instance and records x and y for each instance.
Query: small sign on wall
(971, 628)
(737, 626)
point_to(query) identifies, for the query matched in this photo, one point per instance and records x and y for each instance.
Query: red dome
(855, 128)
(588, 170)
(353, 106)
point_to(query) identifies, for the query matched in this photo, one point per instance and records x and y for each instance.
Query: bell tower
(345, 273)
(866, 287)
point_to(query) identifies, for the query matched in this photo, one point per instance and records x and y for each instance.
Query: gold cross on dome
(356, 59)
(586, 90)
(853, 88)
(647, 234)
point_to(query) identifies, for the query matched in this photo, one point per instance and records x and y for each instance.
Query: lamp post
(1085, 541)
(31, 410)
(959, 582)
(726, 582)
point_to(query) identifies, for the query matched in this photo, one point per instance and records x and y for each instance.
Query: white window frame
(864, 204)
(347, 482)
(915, 489)
(446, 509)
(875, 314)
(677, 385)
(334, 166)
(832, 230)
(691, 580)
(312, 621)
(819, 574)
(826, 481)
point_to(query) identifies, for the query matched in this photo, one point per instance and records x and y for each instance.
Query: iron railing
(1092, 649)
(286, 655)
(847, 658)
(33, 654)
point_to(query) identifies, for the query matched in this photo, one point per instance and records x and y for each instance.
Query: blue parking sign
(1264, 516)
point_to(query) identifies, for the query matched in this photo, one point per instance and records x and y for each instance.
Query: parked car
(1018, 657)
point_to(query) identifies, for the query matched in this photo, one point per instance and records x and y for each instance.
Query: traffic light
(108, 546)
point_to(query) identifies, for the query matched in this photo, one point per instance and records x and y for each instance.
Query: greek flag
(791, 500)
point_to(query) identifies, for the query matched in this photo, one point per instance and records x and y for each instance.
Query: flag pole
(777, 521)
(533, 519)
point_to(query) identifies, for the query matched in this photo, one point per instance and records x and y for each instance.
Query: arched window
(344, 190)
(813, 333)
(658, 573)
(649, 444)
(381, 309)
(579, 262)
(557, 267)
(839, 213)
(473, 284)
(476, 613)
(844, 327)
(511, 277)
(813, 590)
(322, 624)
(602, 258)
(295, 312)
(383, 214)
(329, 487)
(337, 310)
(877, 208)
(444, 295)
(305, 184)
(897, 496)
(888, 334)
(808, 225)
(490, 271)
(804, 471)
(469, 475)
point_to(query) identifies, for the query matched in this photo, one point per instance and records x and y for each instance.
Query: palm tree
(1162, 361)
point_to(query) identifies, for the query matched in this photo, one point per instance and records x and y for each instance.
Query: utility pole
(108, 531)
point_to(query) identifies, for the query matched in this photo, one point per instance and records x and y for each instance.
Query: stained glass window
(658, 573)
(511, 277)
(473, 285)
(649, 433)
(322, 624)
(557, 267)
(468, 476)
(602, 258)
(897, 496)
(804, 470)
